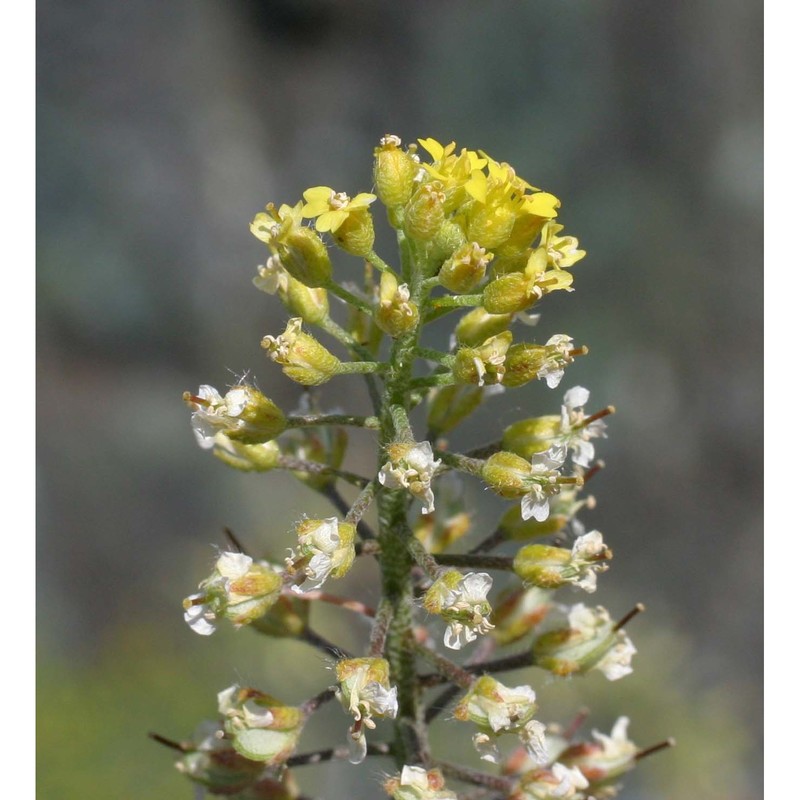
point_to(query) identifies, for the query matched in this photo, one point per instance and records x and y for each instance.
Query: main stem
(396, 561)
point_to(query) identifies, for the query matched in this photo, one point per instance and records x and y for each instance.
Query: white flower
(570, 781)
(467, 610)
(575, 433)
(199, 615)
(326, 546)
(587, 550)
(616, 663)
(558, 356)
(365, 692)
(415, 783)
(411, 467)
(617, 747)
(244, 413)
(544, 467)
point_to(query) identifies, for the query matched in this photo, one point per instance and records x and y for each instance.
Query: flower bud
(588, 642)
(465, 269)
(305, 257)
(414, 783)
(490, 224)
(484, 364)
(393, 172)
(424, 213)
(239, 588)
(396, 314)
(310, 304)
(326, 548)
(303, 358)
(449, 238)
(551, 567)
(263, 729)
(478, 325)
(510, 293)
(211, 761)
(606, 758)
(518, 611)
(246, 457)
(244, 415)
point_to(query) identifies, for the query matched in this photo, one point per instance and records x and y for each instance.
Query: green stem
(299, 465)
(440, 379)
(360, 367)
(456, 301)
(379, 263)
(349, 298)
(362, 503)
(472, 466)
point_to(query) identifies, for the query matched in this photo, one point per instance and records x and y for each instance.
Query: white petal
(196, 620)
(233, 565)
(553, 378)
(486, 747)
(576, 397)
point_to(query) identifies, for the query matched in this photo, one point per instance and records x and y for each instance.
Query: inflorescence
(478, 242)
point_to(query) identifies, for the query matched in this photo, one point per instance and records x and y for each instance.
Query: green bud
(465, 269)
(449, 238)
(510, 293)
(424, 213)
(305, 257)
(393, 172)
(302, 357)
(356, 235)
(478, 325)
(484, 364)
(309, 304)
(396, 314)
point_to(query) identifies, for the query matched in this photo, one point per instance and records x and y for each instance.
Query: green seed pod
(529, 436)
(523, 363)
(507, 474)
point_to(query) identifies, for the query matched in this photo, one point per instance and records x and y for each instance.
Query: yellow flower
(331, 209)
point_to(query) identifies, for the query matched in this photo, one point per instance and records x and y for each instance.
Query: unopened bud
(478, 325)
(394, 172)
(305, 257)
(302, 357)
(465, 269)
(484, 364)
(424, 213)
(396, 314)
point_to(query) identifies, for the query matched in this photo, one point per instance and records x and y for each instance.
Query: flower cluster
(481, 246)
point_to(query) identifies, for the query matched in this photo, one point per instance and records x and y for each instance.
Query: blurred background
(164, 127)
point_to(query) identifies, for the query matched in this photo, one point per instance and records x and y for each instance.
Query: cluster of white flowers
(467, 610)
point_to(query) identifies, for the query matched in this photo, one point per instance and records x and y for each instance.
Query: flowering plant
(476, 240)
